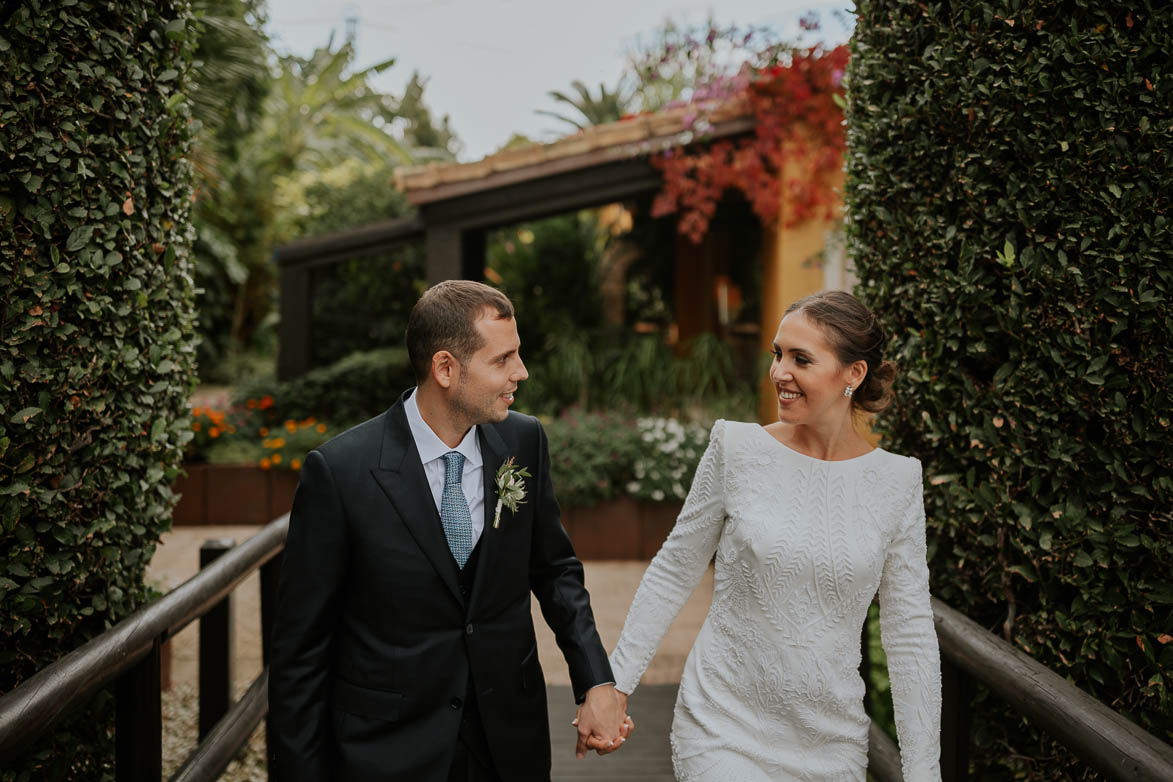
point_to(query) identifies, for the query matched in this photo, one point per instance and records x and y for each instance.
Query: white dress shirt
(432, 449)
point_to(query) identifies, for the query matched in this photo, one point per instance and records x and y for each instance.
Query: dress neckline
(787, 448)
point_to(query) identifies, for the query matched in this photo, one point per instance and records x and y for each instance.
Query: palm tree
(607, 107)
(314, 116)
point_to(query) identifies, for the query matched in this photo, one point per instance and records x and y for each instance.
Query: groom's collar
(429, 445)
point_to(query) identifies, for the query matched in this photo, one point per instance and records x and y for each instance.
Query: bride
(806, 521)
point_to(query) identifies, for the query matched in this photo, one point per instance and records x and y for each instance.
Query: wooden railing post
(956, 690)
(138, 722)
(215, 647)
(270, 575)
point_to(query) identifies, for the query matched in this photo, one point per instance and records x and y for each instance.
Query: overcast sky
(490, 63)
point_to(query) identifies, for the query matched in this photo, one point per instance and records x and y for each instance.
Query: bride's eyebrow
(797, 351)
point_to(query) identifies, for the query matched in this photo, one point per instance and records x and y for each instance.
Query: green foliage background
(96, 352)
(1009, 199)
(349, 391)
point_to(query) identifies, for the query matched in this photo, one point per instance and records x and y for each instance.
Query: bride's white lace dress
(771, 690)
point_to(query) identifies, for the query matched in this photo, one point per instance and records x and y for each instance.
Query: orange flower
(264, 431)
(321, 428)
(275, 443)
(251, 404)
(276, 458)
(295, 464)
(214, 432)
(197, 411)
(265, 463)
(195, 426)
(291, 426)
(266, 402)
(309, 421)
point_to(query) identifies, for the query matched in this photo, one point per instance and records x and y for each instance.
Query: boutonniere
(510, 488)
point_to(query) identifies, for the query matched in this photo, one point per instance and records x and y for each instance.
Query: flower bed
(620, 528)
(233, 494)
(620, 479)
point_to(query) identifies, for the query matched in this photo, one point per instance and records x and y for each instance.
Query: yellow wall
(788, 273)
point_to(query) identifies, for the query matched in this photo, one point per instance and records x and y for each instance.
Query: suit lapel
(492, 455)
(400, 475)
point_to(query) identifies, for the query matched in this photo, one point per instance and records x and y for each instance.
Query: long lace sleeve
(676, 569)
(910, 642)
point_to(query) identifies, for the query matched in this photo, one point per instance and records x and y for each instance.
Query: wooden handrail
(1106, 740)
(37, 703)
(208, 760)
(1103, 738)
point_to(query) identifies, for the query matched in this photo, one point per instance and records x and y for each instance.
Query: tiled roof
(632, 137)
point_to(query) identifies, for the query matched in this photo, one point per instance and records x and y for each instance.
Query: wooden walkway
(645, 758)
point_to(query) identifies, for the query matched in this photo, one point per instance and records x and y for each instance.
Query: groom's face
(487, 379)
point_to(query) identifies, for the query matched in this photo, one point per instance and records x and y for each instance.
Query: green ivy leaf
(78, 238)
(25, 415)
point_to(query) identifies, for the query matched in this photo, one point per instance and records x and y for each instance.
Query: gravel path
(612, 585)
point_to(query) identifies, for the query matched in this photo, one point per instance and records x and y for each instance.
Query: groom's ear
(445, 367)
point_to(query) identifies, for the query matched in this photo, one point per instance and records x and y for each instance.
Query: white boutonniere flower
(510, 488)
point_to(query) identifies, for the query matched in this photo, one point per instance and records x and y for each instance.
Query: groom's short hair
(445, 318)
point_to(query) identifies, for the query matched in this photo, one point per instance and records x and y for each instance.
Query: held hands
(602, 721)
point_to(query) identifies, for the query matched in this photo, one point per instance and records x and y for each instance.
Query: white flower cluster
(670, 455)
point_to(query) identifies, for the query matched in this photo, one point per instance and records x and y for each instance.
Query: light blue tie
(454, 513)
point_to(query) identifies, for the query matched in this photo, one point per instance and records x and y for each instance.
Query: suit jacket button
(464, 591)
(456, 703)
(468, 629)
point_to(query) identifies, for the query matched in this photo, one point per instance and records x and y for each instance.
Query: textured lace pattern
(771, 689)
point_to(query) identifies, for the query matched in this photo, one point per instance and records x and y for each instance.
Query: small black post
(956, 690)
(215, 647)
(138, 736)
(270, 575)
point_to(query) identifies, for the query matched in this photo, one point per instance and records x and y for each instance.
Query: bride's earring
(849, 391)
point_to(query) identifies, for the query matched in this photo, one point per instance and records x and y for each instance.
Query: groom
(403, 646)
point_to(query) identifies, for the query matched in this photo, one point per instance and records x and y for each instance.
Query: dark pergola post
(454, 253)
(293, 356)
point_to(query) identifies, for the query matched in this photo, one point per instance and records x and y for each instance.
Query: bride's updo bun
(856, 335)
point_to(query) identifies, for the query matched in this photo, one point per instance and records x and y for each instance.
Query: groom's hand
(602, 721)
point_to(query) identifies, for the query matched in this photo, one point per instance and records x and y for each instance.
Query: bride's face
(807, 375)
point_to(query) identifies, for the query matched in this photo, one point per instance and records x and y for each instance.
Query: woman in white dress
(807, 522)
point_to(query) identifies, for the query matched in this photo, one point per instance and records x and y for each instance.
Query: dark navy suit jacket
(374, 642)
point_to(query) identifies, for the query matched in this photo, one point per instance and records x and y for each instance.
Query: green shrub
(96, 348)
(597, 456)
(667, 454)
(362, 304)
(590, 456)
(345, 393)
(1009, 201)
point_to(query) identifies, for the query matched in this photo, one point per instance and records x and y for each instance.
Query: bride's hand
(625, 729)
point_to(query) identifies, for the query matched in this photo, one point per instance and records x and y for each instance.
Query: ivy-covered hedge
(96, 347)
(1010, 219)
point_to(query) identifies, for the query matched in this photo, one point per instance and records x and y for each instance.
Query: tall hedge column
(1011, 220)
(96, 345)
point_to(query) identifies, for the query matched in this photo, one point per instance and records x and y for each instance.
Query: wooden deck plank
(646, 758)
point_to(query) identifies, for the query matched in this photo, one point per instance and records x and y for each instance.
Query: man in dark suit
(403, 646)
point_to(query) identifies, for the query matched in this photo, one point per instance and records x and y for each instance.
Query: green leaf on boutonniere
(510, 488)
